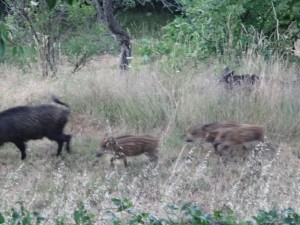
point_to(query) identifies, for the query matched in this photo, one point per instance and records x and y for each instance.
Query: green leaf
(70, 2)
(116, 222)
(2, 48)
(14, 51)
(36, 213)
(116, 201)
(15, 215)
(26, 220)
(2, 221)
(51, 3)
(4, 34)
(41, 218)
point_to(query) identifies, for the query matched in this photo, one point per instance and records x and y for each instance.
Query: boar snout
(188, 140)
(99, 154)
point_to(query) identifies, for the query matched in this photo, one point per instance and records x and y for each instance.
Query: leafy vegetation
(201, 29)
(43, 35)
(21, 216)
(176, 215)
(225, 29)
(228, 28)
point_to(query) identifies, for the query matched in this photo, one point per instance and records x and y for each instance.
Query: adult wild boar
(130, 145)
(208, 132)
(239, 135)
(23, 123)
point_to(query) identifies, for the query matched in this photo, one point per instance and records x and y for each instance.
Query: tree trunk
(105, 15)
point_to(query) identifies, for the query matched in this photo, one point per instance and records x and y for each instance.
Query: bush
(21, 216)
(227, 28)
(191, 214)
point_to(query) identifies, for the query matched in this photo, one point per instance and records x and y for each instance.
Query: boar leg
(60, 139)
(125, 162)
(153, 157)
(112, 162)
(216, 144)
(60, 144)
(21, 146)
(68, 138)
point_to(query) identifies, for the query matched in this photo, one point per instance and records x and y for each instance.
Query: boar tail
(56, 100)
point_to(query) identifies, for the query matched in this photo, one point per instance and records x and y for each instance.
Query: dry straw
(146, 100)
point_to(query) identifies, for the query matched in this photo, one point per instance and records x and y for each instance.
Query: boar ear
(226, 71)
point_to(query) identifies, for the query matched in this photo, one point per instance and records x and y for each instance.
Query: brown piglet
(130, 145)
(239, 135)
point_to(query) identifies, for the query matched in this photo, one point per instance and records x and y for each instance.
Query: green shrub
(21, 216)
(191, 214)
(82, 216)
(124, 213)
(228, 28)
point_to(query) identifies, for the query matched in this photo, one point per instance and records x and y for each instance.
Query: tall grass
(147, 100)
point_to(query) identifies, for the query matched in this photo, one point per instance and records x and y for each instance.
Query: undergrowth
(125, 213)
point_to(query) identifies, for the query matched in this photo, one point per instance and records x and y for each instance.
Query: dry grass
(145, 100)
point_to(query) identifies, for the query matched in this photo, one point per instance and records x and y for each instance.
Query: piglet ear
(104, 140)
(106, 136)
(111, 141)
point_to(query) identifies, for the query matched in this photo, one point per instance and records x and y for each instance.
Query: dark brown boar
(23, 123)
(208, 132)
(239, 135)
(130, 145)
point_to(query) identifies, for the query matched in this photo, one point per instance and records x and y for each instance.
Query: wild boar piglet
(239, 135)
(130, 145)
(208, 132)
